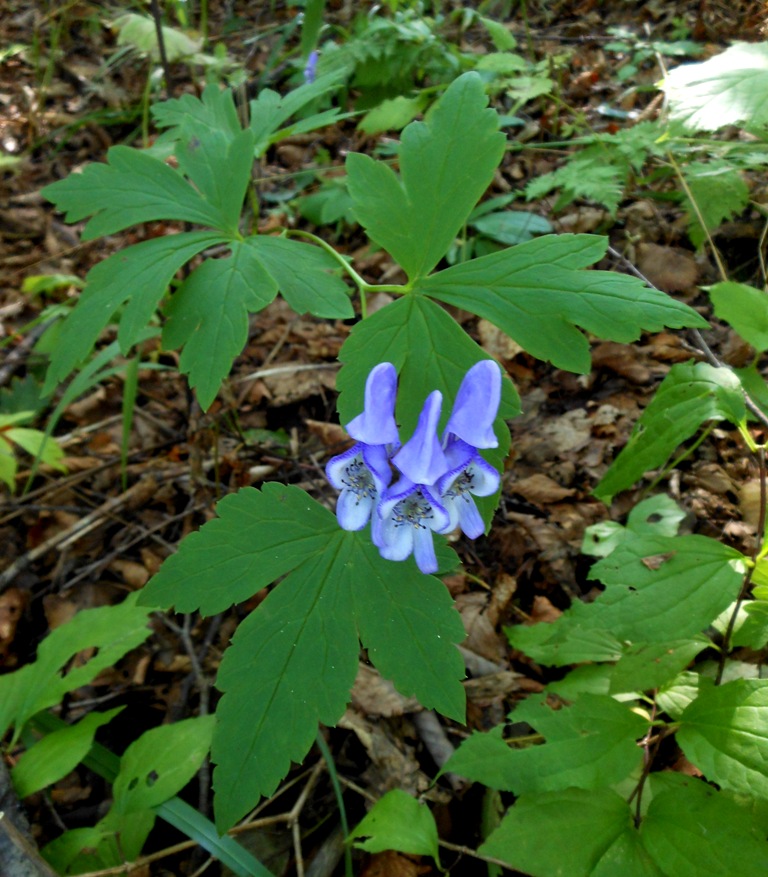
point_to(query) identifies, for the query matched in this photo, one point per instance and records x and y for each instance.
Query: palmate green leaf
(745, 308)
(133, 187)
(208, 313)
(398, 822)
(303, 275)
(537, 295)
(724, 732)
(208, 316)
(214, 110)
(691, 394)
(139, 275)
(446, 164)
(293, 660)
(220, 168)
(727, 89)
(691, 829)
(111, 630)
(571, 833)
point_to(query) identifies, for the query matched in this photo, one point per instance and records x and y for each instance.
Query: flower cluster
(437, 478)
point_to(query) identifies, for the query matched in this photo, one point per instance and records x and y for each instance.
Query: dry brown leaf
(12, 604)
(541, 490)
(482, 638)
(375, 696)
(669, 268)
(393, 864)
(135, 575)
(544, 611)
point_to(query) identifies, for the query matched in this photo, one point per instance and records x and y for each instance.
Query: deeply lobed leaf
(293, 660)
(537, 295)
(447, 162)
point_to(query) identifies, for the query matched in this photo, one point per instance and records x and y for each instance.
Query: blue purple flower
(437, 478)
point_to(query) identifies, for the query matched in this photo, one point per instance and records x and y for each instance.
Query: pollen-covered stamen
(413, 510)
(464, 483)
(357, 478)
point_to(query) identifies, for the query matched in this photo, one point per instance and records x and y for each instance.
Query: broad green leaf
(569, 640)
(446, 163)
(111, 630)
(724, 732)
(220, 168)
(160, 763)
(691, 394)
(303, 275)
(484, 758)
(675, 696)
(133, 187)
(589, 744)
(398, 619)
(644, 666)
(140, 31)
(208, 315)
(753, 630)
(152, 770)
(393, 114)
(293, 660)
(537, 294)
(398, 822)
(175, 812)
(140, 275)
(38, 445)
(57, 754)
(570, 833)
(83, 849)
(692, 829)
(584, 679)
(724, 90)
(659, 588)
(718, 191)
(511, 226)
(656, 516)
(745, 308)
(663, 587)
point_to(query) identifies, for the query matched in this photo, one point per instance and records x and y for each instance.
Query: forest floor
(85, 538)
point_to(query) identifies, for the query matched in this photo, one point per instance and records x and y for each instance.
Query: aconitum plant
(424, 405)
(437, 478)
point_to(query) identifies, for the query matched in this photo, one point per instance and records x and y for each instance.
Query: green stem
(326, 753)
(361, 284)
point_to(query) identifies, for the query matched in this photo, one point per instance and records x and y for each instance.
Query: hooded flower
(469, 428)
(410, 510)
(363, 472)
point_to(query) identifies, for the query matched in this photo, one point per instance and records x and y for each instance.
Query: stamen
(359, 480)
